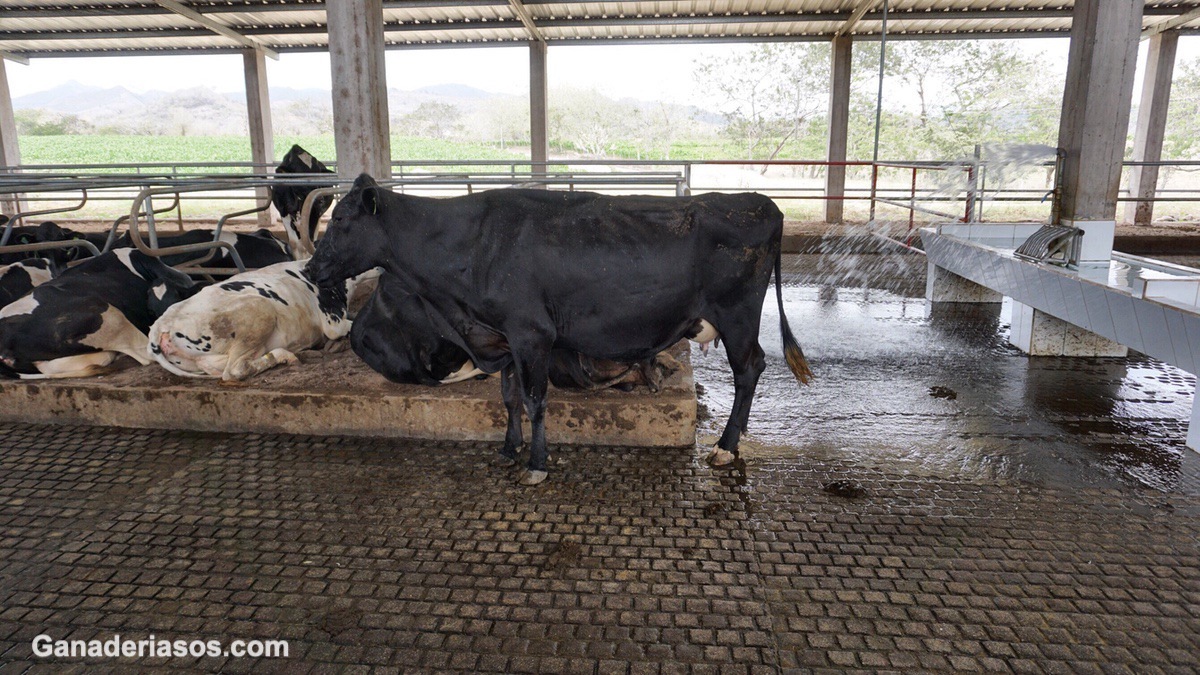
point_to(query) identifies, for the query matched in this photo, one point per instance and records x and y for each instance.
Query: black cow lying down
(78, 323)
(395, 336)
(515, 273)
(257, 249)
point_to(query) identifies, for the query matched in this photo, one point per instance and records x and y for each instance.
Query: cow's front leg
(510, 390)
(533, 369)
(246, 368)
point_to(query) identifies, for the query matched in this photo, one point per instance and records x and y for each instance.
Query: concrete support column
(539, 138)
(1095, 117)
(10, 153)
(839, 126)
(1039, 334)
(360, 111)
(1151, 125)
(942, 285)
(258, 111)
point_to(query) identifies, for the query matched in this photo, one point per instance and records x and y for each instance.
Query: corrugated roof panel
(474, 35)
(472, 12)
(212, 41)
(93, 23)
(43, 26)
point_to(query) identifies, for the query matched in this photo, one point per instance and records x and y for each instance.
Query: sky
(645, 72)
(618, 71)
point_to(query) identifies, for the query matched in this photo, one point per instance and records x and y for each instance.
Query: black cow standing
(289, 199)
(515, 273)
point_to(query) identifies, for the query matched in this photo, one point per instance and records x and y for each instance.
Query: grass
(222, 149)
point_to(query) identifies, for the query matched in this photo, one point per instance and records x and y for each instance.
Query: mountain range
(202, 111)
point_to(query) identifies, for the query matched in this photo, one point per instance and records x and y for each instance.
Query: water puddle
(944, 394)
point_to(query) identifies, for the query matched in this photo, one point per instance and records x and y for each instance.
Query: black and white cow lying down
(249, 323)
(514, 274)
(396, 334)
(78, 323)
(289, 199)
(18, 278)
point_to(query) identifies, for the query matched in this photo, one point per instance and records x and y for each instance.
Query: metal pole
(879, 105)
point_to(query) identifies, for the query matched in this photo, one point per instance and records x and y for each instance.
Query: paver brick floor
(368, 554)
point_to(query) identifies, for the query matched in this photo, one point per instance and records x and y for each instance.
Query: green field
(199, 149)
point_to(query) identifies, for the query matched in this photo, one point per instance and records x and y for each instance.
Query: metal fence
(224, 191)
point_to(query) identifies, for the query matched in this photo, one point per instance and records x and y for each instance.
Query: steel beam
(527, 21)
(1172, 23)
(216, 26)
(855, 17)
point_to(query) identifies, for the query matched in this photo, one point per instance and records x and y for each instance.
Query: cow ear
(370, 200)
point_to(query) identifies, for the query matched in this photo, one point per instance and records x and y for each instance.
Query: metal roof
(32, 28)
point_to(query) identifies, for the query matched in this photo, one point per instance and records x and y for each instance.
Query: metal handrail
(136, 236)
(12, 222)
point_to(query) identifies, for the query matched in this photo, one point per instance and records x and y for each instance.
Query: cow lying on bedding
(78, 323)
(397, 335)
(289, 198)
(17, 279)
(247, 324)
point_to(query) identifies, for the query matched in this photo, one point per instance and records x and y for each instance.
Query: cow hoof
(531, 477)
(720, 457)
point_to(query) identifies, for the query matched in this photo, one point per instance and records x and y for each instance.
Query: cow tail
(791, 348)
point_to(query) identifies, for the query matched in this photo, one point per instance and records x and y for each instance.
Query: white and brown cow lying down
(78, 323)
(252, 322)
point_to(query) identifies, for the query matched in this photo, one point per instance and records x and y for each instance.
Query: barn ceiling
(33, 28)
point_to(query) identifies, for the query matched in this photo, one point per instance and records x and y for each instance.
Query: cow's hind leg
(532, 362)
(510, 389)
(747, 360)
(82, 365)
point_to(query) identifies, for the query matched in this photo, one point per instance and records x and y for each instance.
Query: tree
(770, 94)
(1182, 138)
(42, 123)
(954, 94)
(588, 121)
(433, 119)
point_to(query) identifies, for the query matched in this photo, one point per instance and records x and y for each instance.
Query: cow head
(289, 199)
(167, 284)
(356, 238)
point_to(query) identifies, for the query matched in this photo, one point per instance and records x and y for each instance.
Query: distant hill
(201, 111)
(80, 99)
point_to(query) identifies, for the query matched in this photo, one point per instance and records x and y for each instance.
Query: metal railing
(68, 188)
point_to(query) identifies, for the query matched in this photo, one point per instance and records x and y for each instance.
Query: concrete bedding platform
(338, 395)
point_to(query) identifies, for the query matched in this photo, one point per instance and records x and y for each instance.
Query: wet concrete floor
(907, 387)
(934, 502)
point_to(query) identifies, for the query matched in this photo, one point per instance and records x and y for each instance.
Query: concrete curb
(148, 397)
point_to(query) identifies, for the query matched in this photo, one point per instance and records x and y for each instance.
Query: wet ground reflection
(943, 393)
